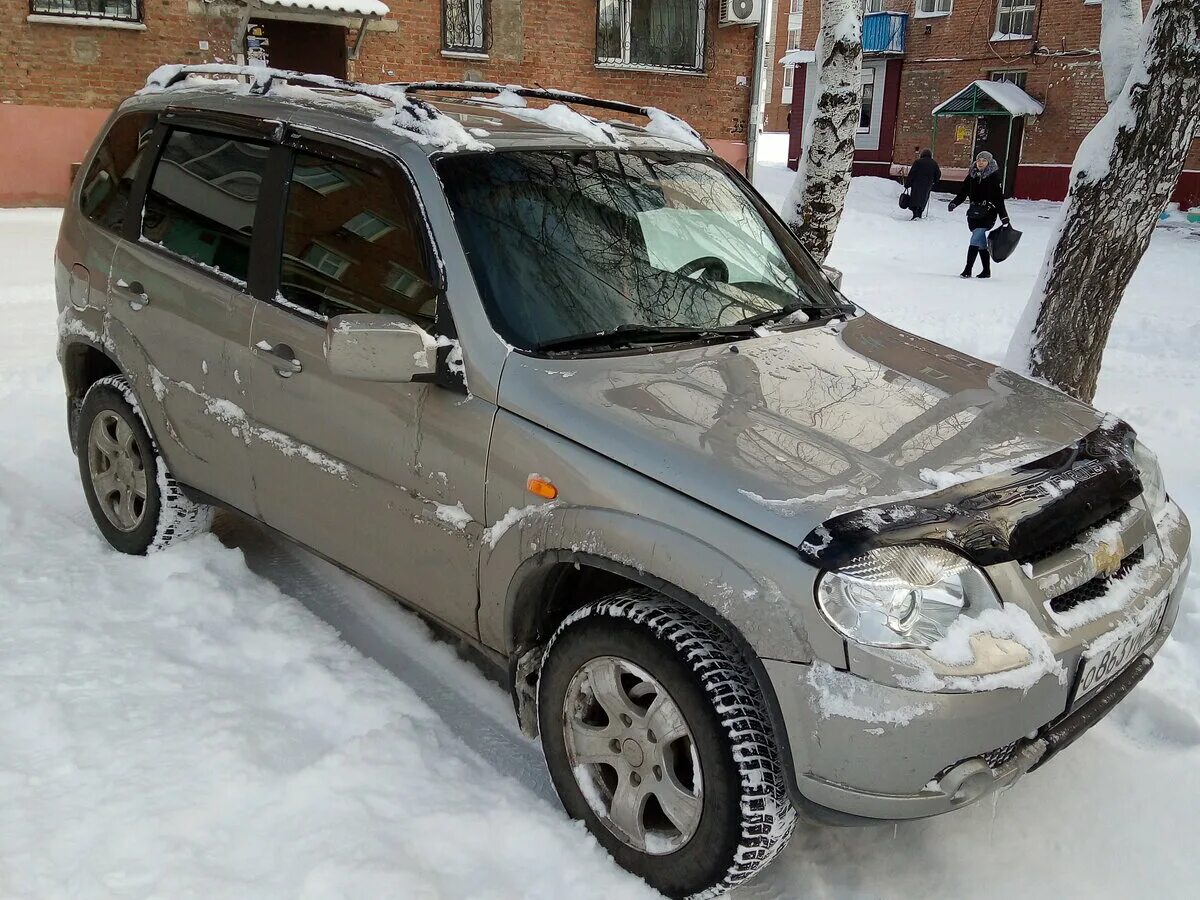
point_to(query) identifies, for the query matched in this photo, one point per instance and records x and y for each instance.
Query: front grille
(1067, 543)
(1098, 586)
(999, 757)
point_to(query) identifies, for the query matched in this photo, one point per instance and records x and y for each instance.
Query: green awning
(989, 98)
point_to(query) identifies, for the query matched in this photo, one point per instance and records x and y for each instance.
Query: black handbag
(905, 201)
(1002, 242)
(980, 215)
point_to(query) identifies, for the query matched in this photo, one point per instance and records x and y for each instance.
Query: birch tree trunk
(1122, 179)
(814, 204)
(1120, 27)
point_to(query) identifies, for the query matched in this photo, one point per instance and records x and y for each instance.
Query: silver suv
(571, 389)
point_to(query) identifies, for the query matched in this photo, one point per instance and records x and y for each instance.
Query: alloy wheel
(633, 755)
(117, 469)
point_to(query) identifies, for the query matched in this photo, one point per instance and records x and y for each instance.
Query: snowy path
(183, 726)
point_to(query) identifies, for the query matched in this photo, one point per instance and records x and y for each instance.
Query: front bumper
(862, 749)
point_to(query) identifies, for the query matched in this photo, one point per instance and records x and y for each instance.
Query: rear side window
(108, 183)
(201, 200)
(352, 242)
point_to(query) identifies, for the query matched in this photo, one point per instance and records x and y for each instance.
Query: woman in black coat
(922, 176)
(983, 188)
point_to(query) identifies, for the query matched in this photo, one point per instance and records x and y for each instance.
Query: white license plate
(1101, 666)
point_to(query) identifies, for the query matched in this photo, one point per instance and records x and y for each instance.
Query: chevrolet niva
(571, 389)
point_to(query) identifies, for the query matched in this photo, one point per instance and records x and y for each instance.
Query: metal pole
(756, 91)
(1007, 150)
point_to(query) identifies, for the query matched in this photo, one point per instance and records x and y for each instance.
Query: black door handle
(283, 358)
(137, 294)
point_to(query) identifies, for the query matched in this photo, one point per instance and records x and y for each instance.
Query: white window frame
(874, 6)
(476, 16)
(624, 62)
(794, 39)
(866, 76)
(368, 226)
(325, 180)
(317, 255)
(1010, 8)
(940, 8)
(789, 82)
(796, 8)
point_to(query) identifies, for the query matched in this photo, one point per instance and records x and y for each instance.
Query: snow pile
(664, 125)
(455, 515)
(942, 479)
(957, 650)
(561, 117)
(492, 534)
(837, 693)
(795, 505)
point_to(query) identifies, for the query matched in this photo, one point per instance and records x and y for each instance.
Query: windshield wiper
(775, 315)
(640, 334)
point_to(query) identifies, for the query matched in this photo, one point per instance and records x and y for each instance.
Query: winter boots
(986, 257)
(972, 252)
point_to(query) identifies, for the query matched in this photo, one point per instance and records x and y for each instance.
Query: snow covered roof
(797, 57)
(984, 97)
(345, 7)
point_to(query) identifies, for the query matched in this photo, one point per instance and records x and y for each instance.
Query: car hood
(785, 430)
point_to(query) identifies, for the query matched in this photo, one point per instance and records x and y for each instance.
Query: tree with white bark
(814, 203)
(1122, 179)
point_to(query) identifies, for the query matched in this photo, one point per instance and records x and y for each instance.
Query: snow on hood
(796, 426)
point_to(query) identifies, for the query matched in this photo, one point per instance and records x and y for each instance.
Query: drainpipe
(756, 91)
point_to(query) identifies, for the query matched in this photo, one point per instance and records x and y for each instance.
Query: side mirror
(378, 348)
(834, 275)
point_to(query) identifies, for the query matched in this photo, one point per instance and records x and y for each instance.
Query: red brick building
(922, 56)
(67, 63)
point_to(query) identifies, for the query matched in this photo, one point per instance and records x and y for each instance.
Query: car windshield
(566, 244)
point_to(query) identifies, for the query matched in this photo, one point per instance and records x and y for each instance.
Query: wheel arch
(550, 585)
(83, 363)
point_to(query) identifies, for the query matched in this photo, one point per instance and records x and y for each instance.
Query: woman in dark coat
(983, 188)
(922, 176)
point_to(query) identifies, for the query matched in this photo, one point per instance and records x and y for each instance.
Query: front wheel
(656, 737)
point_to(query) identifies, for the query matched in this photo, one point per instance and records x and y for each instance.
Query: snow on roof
(797, 57)
(346, 7)
(1014, 100)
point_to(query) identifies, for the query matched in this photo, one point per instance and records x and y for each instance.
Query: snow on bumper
(874, 748)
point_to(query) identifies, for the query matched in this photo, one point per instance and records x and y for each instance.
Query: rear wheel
(656, 737)
(135, 502)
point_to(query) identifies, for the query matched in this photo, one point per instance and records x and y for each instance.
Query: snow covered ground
(184, 725)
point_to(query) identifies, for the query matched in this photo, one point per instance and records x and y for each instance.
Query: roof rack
(400, 93)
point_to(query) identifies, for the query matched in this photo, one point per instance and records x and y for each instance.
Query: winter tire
(656, 737)
(137, 505)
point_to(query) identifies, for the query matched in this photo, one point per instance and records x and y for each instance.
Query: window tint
(201, 200)
(352, 243)
(109, 179)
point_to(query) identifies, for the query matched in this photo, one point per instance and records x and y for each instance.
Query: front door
(992, 134)
(180, 290)
(385, 479)
(300, 46)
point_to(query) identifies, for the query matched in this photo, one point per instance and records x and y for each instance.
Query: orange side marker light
(542, 487)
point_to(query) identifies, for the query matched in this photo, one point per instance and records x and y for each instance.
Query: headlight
(904, 596)
(1152, 480)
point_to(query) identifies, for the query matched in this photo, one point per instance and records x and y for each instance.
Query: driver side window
(352, 242)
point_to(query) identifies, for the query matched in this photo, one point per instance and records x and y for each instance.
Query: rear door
(385, 479)
(180, 288)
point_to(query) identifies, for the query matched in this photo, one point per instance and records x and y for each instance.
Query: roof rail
(488, 87)
(400, 94)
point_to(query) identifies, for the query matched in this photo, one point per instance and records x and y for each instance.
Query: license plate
(1102, 665)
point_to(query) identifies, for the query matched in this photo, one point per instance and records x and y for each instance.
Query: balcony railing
(884, 32)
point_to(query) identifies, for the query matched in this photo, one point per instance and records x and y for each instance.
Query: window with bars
(1014, 19)
(117, 10)
(657, 34)
(464, 26)
(934, 7)
(1012, 77)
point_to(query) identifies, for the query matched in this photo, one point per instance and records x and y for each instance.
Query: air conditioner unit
(741, 12)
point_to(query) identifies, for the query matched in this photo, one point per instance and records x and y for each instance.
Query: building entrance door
(994, 134)
(303, 46)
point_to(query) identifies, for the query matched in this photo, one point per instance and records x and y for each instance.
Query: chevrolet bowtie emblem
(1108, 556)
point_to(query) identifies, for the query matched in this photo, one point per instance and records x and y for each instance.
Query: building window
(326, 261)
(874, 6)
(659, 34)
(789, 79)
(1014, 20)
(797, 8)
(464, 26)
(794, 39)
(1017, 78)
(118, 10)
(368, 226)
(934, 7)
(868, 100)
